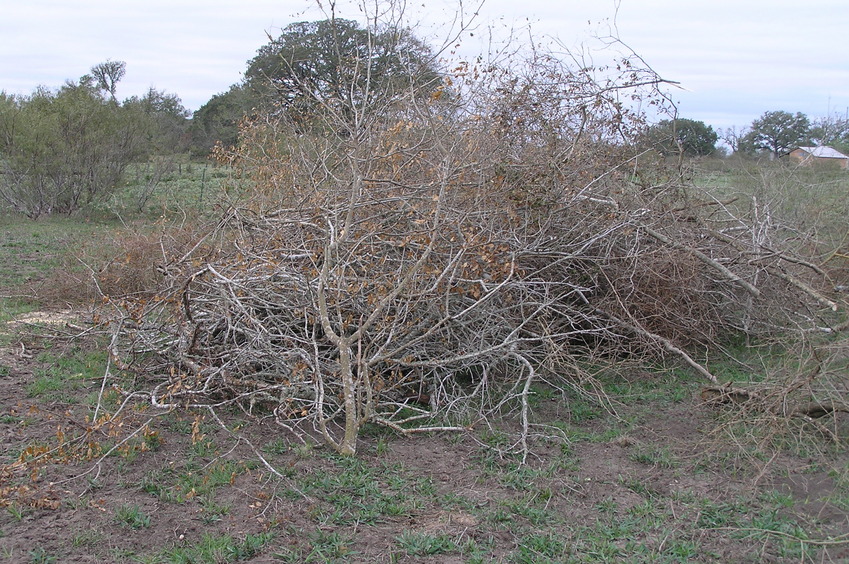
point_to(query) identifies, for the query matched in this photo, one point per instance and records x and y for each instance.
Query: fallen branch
(728, 394)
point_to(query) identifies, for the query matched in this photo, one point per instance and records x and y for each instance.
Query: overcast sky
(735, 59)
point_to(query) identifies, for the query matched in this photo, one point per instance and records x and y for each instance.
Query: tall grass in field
(168, 186)
(808, 205)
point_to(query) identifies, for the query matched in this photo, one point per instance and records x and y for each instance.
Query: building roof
(824, 152)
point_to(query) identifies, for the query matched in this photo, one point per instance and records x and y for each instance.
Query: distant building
(806, 156)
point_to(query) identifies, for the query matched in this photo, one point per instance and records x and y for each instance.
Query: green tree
(693, 138)
(167, 120)
(217, 121)
(62, 150)
(777, 132)
(335, 65)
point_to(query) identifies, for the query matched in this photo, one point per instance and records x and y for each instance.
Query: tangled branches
(424, 268)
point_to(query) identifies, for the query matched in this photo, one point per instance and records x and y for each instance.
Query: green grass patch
(216, 549)
(87, 538)
(154, 189)
(32, 250)
(39, 555)
(320, 547)
(653, 455)
(68, 371)
(415, 543)
(355, 492)
(132, 516)
(13, 307)
(179, 485)
(540, 548)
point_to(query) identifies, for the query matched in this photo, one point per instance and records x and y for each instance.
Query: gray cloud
(734, 59)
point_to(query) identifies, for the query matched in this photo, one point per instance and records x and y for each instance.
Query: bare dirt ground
(651, 484)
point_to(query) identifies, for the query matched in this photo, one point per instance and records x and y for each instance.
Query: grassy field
(167, 190)
(654, 474)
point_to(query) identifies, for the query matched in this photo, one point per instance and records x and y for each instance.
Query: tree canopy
(218, 119)
(777, 132)
(332, 65)
(108, 74)
(693, 138)
(339, 66)
(832, 131)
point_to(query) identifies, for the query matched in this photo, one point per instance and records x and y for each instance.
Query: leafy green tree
(167, 120)
(335, 65)
(691, 137)
(62, 150)
(778, 133)
(332, 65)
(217, 121)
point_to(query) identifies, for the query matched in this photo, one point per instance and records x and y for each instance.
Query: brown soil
(67, 507)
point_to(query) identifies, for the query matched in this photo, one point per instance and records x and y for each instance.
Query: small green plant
(382, 446)
(607, 506)
(132, 516)
(651, 455)
(203, 448)
(152, 440)
(122, 553)
(649, 513)
(416, 543)
(218, 549)
(535, 513)
(777, 499)
(715, 515)
(538, 548)
(277, 446)
(501, 516)
(88, 537)
(39, 555)
(683, 550)
(457, 501)
(304, 450)
(16, 511)
(328, 546)
(212, 511)
(637, 486)
(153, 483)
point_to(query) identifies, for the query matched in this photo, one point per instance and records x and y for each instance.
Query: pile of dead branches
(423, 269)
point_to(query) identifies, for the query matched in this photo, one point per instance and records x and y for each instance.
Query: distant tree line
(65, 148)
(773, 134)
(61, 150)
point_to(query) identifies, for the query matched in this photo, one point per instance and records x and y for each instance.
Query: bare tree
(108, 74)
(732, 137)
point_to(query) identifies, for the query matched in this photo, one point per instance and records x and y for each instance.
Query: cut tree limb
(728, 394)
